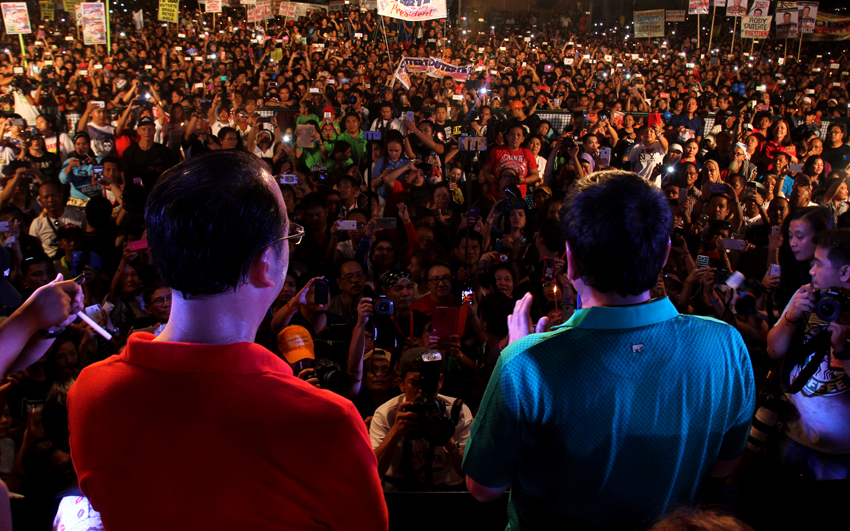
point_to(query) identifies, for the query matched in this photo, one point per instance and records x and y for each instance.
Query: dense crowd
(406, 234)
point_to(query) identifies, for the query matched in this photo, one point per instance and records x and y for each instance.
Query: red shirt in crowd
(520, 160)
(175, 436)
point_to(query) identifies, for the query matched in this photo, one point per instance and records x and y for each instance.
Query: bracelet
(715, 301)
(290, 311)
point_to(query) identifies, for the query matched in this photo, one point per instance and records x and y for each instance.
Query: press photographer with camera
(812, 337)
(419, 436)
(206, 355)
(620, 349)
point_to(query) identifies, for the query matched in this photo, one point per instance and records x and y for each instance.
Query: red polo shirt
(185, 436)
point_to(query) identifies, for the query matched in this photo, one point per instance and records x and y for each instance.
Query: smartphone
(347, 224)
(94, 313)
(775, 269)
(604, 155)
(138, 180)
(97, 174)
(734, 245)
(702, 261)
(655, 118)
(385, 223)
(222, 78)
(289, 179)
(775, 230)
(549, 269)
(716, 188)
(314, 90)
(4, 226)
(474, 215)
(411, 116)
(138, 245)
(321, 294)
(795, 168)
(272, 84)
(98, 105)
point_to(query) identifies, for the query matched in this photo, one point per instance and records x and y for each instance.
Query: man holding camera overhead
(419, 436)
(812, 335)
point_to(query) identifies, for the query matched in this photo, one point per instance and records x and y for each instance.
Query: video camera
(434, 426)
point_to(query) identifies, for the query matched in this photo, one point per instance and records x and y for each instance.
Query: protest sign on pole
(808, 14)
(213, 6)
(786, 20)
(649, 23)
(401, 10)
(736, 8)
(755, 27)
(759, 8)
(675, 15)
(47, 11)
(94, 23)
(16, 18)
(286, 9)
(169, 11)
(718, 3)
(698, 7)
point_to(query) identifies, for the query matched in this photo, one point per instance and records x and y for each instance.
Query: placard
(94, 23)
(698, 7)
(47, 10)
(16, 18)
(755, 27)
(786, 21)
(759, 8)
(808, 14)
(736, 8)
(410, 11)
(287, 9)
(212, 6)
(675, 15)
(649, 23)
(169, 11)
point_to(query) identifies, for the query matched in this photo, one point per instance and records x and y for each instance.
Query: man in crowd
(146, 160)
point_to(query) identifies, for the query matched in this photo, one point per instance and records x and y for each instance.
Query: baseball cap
(544, 189)
(676, 147)
(295, 343)
(329, 108)
(411, 360)
(9, 296)
(516, 104)
(378, 354)
(146, 120)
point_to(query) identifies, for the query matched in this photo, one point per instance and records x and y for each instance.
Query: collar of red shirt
(233, 358)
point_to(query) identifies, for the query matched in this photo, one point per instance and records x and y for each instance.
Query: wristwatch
(454, 450)
(52, 333)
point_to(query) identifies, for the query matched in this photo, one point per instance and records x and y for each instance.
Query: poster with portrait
(94, 23)
(736, 8)
(697, 7)
(16, 18)
(759, 8)
(807, 15)
(786, 21)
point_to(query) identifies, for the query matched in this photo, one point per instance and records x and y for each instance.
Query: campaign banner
(755, 27)
(675, 15)
(807, 16)
(69, 5)
(286, 9)
(438, 68)
(786, 21)
(401, 75)
(649, 23)
(212, 6)
(736, 8)
(138, 19)
(415, 65)
(255, 13)
(698, 7)
(412, 10)
(829, 27)
(47, 10)
(759, 8)
(169, 11)
(16, 18)
(718, 3)
(249, 2)
(94, 23)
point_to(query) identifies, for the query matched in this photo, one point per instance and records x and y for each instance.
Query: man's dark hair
(313, 200)
(836, 243)
(99, 212)
(344, 262)
(462, 235)
(495, 309)
(150, 289)
(618, 227)
(208, 217)
(552, 237)
(111, 160)
(435, 263)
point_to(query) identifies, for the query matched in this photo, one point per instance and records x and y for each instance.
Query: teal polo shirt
(613, 418)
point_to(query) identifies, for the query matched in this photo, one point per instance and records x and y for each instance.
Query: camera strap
(800, 351)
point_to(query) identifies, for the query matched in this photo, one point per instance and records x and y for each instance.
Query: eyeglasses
(296, 233)
(351, 277)
(381, 371)
(441, 280)
(159, 301)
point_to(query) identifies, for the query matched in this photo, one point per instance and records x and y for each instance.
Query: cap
(544, 189)
(411, 359)
(82, 134)
(145, 120)
(378, 354)
(676, 147)
(329, 108)
(295, 343)
(807, 100)
(68, 231)
(516, 104)
(9, 296)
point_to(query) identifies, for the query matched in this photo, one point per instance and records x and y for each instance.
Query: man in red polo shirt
(200, 428)
(513, 156)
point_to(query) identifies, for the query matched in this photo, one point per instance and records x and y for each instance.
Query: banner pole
(108, 35)
(800, 46)
(699, 32)
(23, 50)
(711, 31)
(734, 30)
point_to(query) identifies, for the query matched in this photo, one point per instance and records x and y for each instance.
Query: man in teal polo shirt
(622, 413)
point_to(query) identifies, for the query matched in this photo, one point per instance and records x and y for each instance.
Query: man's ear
(263, 269)
(572, 269)
(845, 274)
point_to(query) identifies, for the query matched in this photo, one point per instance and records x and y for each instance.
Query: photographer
(146, 159)
(408, 463)
(77, 169)
(816, 439)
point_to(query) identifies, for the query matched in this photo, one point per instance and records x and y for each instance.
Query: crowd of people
(421, 217)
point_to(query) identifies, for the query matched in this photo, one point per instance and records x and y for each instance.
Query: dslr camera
(384, 306)
(832, 303)
(331, 376)
(434, 425)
